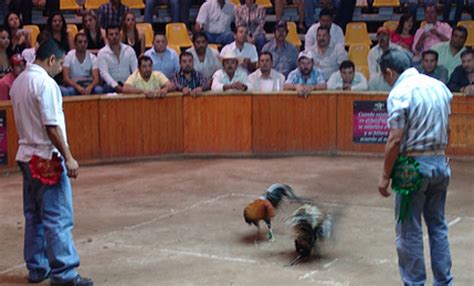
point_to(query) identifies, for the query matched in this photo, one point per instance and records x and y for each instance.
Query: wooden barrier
(114, 127)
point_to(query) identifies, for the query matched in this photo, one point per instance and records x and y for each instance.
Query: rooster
(264, 207)
(311, 226)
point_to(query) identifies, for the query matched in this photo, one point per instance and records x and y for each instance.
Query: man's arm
(56, 137)
(392, 149)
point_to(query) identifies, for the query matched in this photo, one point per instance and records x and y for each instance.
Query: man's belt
(425, 153)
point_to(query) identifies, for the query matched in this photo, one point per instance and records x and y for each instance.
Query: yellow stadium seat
(177, 34)
(386, 3)
(72, 30)
(94, 4)
(34, 32)
(134, 4)
(469, 25)
(391, 25)
(213, 46)
(292, 36)
(356, 33)
(359, 54)
(147, 30)
(364, 70)
(68, 5)
(264, 3)
(176, 48)
(235, 2)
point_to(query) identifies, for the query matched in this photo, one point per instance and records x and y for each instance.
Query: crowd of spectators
(108, 54)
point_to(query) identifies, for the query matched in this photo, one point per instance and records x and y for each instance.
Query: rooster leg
(270, 231)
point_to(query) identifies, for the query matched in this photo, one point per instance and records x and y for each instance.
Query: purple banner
(3, 138)
(369, 122)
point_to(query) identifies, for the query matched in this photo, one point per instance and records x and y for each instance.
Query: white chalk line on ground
(325, 266)
(12, 268)
(450, 224)
(210, 256)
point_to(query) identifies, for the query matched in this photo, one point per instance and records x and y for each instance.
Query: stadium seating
(265, 3)
(94, 4)
(386, 3)
(358, 54)
(235, 2)
(356, 33)
(147, 30)
(176, 48)
(213, 46)
(68, 5)
(72, 30)
(391, 25)
(34, 32)
(292, 36)
(134, 4)
(177, 34)
(469, 25)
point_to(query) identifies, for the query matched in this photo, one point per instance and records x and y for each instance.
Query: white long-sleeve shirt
(113, 69)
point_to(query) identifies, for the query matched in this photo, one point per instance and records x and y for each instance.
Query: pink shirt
(431, 40)
(397, 39)
(5, 84)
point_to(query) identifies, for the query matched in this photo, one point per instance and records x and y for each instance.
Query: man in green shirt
(450, 52)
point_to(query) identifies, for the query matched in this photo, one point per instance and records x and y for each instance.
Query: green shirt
(446, 58)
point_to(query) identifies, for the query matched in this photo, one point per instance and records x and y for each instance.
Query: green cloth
(446, 58)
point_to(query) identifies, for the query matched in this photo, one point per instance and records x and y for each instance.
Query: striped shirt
(421, 105)
(110, 16)
(296, 77)
(196, 80)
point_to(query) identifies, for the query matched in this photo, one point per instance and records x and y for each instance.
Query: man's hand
(346, 86)
(197, 91)
(118, 88)
(72, 168)
(88, 90)
(82, 91)
(240, 86)
(162, 92)
(469, 90)
(186, 91)
(149, 94)
(383, 187)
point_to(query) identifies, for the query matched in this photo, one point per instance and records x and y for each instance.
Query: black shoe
(78, 281)
(36, 281)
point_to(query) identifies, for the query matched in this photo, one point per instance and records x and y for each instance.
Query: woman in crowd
(131, 35)
(57, 26)
(19, 38)
(4, 59)
(252, 16)
(404, 34)
(94, 33)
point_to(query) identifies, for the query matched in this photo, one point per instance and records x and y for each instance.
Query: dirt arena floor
(179, 222)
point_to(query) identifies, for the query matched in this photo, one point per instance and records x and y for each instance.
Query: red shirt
(5, 84)
(397, 38)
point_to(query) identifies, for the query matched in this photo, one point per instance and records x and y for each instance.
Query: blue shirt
(296, 77)
(166, 63)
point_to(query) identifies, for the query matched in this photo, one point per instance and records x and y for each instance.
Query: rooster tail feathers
(325, 229)
(276, 192)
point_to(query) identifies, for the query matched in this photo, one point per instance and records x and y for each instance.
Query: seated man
(18, 64)
(187, 79)
(206, 59)
(325, 20)
(347, 78)
(284, 53)
(214, 18)
(146, 81)
(449, 52)
(111, 14)
(306, 77)
(429, 66)
(462, 79)
(266, 79)
(116, 61)
(246, 52)
(165, 60)
(230, 77)
(80, 70)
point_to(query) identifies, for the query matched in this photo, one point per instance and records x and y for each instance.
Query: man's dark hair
(430, 52)
(324, 28)
(347, 64)
(80, 34)
(144, 59)
(185, 54)
(197, 35)
(466, 52)
(49, 48)
(461, 29)
(326, 12)
(158, 34)
(266, 54)
(112, 27)
(395, 60)
(43, 36)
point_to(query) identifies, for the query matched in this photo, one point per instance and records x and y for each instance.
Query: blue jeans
(260, 41)
(49, 218)
(179, 10)
(70, 91)
(429, 201)
(220, 39)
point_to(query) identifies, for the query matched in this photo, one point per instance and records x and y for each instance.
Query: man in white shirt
(246, 52)
(347, 78)
(49, 249)
(206, 59)
(325, 20)
(165, 60)
(266, 79)
(326, 56)
(117, 61)
(214, 18)
(80, 70)
(230, 77)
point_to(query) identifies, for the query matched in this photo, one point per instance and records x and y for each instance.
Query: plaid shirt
(253, 18)
(109, 16)
(197, 80)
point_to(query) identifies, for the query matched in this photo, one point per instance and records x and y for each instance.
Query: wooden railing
(104, 128)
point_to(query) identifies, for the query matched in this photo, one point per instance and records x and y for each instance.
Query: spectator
(178, 9)
(344, 13)
(284, 53)
(164, 59)
(80, 70)
(18, 64)
(266, 79)
(25, 7)
(327, 57)
(111, 14)
(116, 61)
(94, 33)
(144, 80)
(252, 16)
(57, 26)
(229, 77)
(206, 59)
(431, 33)
(19, 38)
(325, 20)
(429, 66)
(404, 34)
(450, 52)
(247, 53)
(4, 44)
(30, 54)
(188, 80)
(310, 9)
(279, 9)
(306, 77)
(347, 78)
(462, 79)
(131, 36)
(459, 4)
(215, 17)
